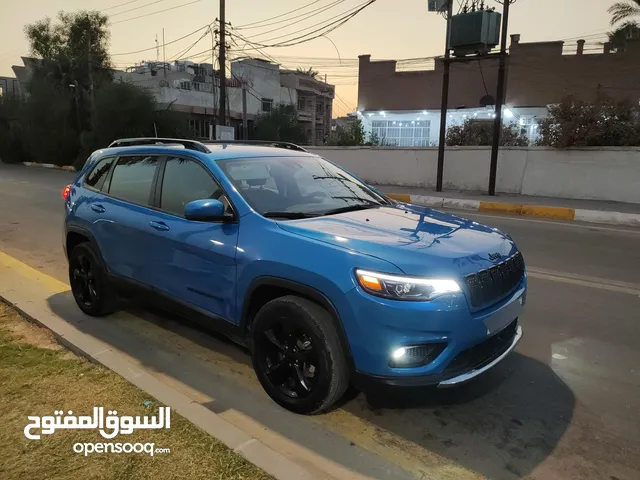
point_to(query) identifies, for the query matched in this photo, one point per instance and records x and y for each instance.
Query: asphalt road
(565, 405)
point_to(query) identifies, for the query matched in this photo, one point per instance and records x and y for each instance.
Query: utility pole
(213, 76)
(445, 99)
(245, 129)
(223, 61)
(164, 56)
(500, 94)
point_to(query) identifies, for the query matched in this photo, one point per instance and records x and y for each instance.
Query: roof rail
(266, 143)
(188, 144)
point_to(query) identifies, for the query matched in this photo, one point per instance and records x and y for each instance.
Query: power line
(324, 30)
(137, 8)
(154, 13)
(278, 16)
(308, 15)
(347, 12)
(188, 49)
(168, 43)
(120, 5)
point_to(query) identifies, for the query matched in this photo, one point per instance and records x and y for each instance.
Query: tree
(351, 135)
(622, 10)
(627, 31)
(480, 132)
(601, 122)
(281, 123)
(309, 72)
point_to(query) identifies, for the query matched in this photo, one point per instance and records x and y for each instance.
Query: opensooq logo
(109, 426)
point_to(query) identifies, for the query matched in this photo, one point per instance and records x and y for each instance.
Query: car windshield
(296, 187)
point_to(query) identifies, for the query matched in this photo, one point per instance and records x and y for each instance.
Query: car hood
(418, 240)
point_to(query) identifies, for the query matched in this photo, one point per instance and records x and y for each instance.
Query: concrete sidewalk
(593, 211)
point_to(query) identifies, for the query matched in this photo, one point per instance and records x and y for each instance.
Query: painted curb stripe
(590, 216)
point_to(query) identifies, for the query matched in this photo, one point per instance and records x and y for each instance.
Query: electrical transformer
(474, 32)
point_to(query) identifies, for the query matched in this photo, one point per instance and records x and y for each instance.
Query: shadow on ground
(500, 426)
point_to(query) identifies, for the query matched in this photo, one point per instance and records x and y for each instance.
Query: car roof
(217, 151)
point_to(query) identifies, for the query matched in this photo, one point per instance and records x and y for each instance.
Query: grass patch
(38, 376)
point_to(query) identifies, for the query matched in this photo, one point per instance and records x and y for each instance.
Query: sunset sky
(398, 29)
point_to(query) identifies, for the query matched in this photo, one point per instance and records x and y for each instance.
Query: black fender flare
(305, 291)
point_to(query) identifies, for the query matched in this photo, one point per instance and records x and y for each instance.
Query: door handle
(98, 208)
(159, 225)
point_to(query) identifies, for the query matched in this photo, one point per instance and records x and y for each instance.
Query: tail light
(65, 192)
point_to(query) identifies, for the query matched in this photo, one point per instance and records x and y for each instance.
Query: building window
(200, 128)
(405, 133)
(267, 104)
(529, 127)
(185, 86)
(196, 86)
(301, 103)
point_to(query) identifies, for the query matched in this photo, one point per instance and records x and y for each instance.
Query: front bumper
(447, 378)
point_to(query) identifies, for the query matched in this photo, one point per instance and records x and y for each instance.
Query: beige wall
(539, 74)
(589, 173)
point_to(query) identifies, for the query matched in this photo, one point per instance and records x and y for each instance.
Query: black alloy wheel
(297, 355)
(288, 358)
(90, 285)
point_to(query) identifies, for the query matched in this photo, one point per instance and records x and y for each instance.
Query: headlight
(405, 288)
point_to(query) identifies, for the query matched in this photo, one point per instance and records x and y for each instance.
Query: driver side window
(185, 181)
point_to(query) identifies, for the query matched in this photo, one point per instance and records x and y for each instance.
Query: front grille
(483, 353)
(489, 286)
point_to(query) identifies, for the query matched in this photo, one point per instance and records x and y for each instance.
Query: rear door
(120, 215)
(193, 262)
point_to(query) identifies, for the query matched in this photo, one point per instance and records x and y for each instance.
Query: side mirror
(208, 210)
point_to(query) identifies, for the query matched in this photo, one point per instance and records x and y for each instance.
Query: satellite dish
(487, 101)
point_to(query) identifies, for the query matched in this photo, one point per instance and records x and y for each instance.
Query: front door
(194, 262)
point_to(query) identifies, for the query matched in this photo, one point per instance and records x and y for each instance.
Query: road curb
(18, 295)
(543, 211)
(66, 168)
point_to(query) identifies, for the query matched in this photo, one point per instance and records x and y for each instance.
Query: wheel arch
(267, 288)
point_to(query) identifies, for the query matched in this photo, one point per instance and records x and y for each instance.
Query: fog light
(415, 356)
(399, 353)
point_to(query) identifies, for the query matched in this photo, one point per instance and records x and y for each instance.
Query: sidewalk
(593, 211)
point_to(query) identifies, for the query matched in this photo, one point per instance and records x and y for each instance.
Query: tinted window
(186, 181)
(99, 173)
(132, 179)
(297, 184)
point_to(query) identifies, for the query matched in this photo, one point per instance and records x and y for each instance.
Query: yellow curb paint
(548, 212)
(401, 197)
(31, 273)
(511, 208)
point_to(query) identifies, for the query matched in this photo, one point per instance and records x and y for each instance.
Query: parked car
(326, 280)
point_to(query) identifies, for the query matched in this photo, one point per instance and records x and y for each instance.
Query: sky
(388, 29)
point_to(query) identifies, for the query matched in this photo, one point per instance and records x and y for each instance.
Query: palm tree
(310, 72)
(627, 31)
(622, 10)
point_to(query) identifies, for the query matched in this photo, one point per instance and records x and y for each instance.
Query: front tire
(297, 355)
(89, 282)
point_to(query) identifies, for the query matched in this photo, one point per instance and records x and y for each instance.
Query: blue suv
(326, 281)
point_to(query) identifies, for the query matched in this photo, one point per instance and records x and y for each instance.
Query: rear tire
(297, 355)
(90, 285)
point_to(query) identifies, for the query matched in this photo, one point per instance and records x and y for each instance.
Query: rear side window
(132, 179)
(186, 181)
(97, 176)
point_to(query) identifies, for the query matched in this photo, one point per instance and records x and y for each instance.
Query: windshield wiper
(288, 215)
(351, 208)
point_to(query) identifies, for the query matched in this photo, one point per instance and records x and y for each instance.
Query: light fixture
(475, 114)
(413, 122)
(398, 287)
(424, 112)
(493, 115)
(464, 116)
(399, 353)
(383, 113)
(394, 122)
(508, 113)
(370, 114)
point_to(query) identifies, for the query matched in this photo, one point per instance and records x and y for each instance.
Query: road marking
(31, 273)
(585, 281)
